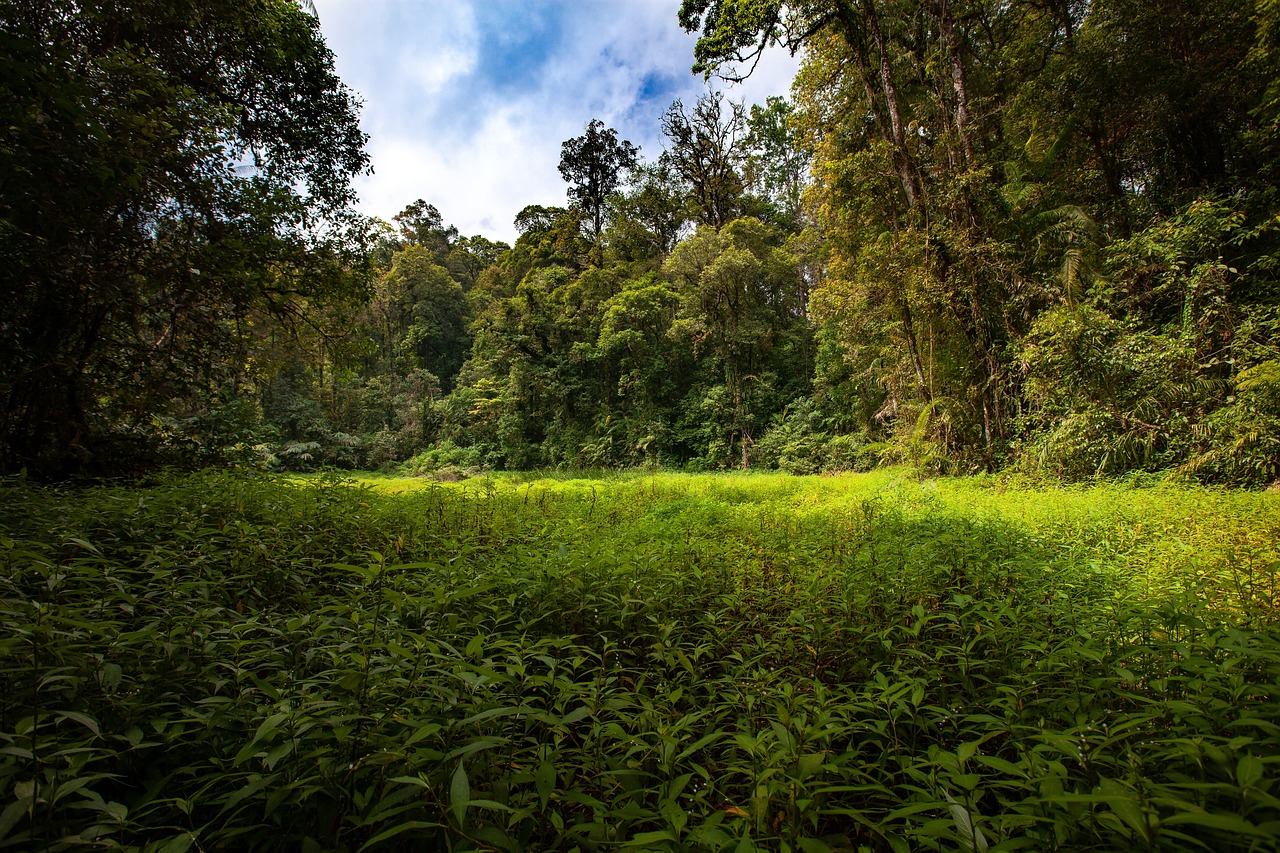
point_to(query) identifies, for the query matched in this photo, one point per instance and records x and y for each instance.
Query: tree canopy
(977, 234)
(594, 165)
(173, 174)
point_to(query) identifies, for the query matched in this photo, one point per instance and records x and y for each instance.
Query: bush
(446, 461)
(795, 442)
(1241, 440)
(851, 453)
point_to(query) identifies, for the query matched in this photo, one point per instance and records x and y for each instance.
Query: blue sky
(466, 102)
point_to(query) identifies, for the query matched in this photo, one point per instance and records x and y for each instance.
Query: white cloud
(432, 73)
(471, 184)
(437, 56)
(466, 109)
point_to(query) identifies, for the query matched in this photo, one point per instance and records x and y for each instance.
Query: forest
(976, 236)
(325, 532)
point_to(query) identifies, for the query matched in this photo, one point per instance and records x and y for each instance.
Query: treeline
(1051, 225)
(979, 234)
(660, 318)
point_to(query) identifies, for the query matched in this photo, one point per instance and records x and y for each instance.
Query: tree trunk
(958, 83)
(893, 107)
(890, 125)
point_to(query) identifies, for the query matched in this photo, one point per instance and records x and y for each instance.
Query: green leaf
(644, 839)
(699, 744)
(1249, 770)
(397, 830)
(970, 836)
(579, 713)
(813, 845)
(810, 763)
(416, 781)
(460, 793)
(1224, 821)
(83, 544)
(177, 844)
(267, 728)
(422, 732)
(674, 815)
(13, 813)
(73, 785)
(1125, 805)
(83, 719)
(111, 676)
(544, 779)
(997, 763)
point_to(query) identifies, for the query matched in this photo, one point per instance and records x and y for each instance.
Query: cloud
(479, 186)
(466, 103)
(433, 73)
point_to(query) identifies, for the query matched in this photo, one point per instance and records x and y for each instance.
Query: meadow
(639, 662)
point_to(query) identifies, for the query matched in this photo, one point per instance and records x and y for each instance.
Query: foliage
(777, 163)
(176, 181)
(738, 288)
(708, 149)
(664, 662)
(980, 234)
(1153, 390)
(445, 461)
(1117, 397)
(983, 172)
(593, 165)
(798, 443)
(425, 305)
(647, 221)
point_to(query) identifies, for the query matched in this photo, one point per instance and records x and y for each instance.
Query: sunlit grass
(646, 660)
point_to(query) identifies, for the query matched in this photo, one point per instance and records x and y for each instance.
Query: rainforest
(887, 464)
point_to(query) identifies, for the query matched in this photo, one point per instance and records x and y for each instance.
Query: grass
(640, 662)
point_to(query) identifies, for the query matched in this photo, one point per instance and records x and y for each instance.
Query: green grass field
(639, 662)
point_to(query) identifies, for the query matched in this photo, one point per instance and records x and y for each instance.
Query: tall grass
(656, 662)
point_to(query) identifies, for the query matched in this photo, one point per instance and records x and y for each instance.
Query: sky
(466, 102)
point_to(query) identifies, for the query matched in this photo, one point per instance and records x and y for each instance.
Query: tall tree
(594, 165)
(999, 177)
(777, 160)
(736, 285)
(168, 170)
(889, 90)
(424, 313)
(647, 220)
(421, 225)
(707, 152)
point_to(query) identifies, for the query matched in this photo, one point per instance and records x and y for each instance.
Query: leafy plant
(647, 661)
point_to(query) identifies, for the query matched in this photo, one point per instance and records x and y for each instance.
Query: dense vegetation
(175, 187)
(663, 662)
(978, 234)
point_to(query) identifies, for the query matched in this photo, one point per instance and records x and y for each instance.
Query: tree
(470, 256)
(707, 153)
(736, 286)
(593, 164)
(174, 175)
(909, 175)
(736, 32)
(424, 314)
(646, 221)
(979, 163)
(421, 225)
(777, 162)
(549, 236)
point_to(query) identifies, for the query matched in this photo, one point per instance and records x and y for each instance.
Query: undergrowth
(650, 662)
